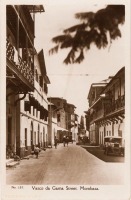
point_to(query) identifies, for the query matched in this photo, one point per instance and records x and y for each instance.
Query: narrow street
(66, 165)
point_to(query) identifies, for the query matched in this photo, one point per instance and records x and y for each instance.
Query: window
(38, 135)
(58, 117)
(107, 133)
(41, 81)
(45, 88)
(27, 106)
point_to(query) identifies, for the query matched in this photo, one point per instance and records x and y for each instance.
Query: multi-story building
(26, 106)
(66, 118)
(93, 96)
(52, 123)
(71, 123)
(75, 135)
(61, 116)
(34, 110)
(105, 115)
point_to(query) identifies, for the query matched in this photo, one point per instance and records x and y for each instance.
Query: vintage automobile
(113, 146)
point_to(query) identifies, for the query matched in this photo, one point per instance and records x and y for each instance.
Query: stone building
(52, 123)
(26, 104)
(106, 113)
(66, 118)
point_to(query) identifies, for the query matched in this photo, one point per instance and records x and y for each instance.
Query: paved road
(70, 165)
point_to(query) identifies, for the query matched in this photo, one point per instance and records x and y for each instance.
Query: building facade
(26, 104)
(66, 118)
(58, 104)
(34, 111)
(71, 121)
(105, 116)
(52, 123)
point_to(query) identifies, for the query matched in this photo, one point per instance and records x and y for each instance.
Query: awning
(61, 129)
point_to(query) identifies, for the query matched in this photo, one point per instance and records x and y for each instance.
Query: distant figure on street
(36, 151)
(67, 140)
(64, 140)
(56, 142)
(16, 157)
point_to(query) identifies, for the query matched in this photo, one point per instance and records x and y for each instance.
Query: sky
(98, 64)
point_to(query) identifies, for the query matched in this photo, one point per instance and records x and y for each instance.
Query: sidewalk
(99, 153)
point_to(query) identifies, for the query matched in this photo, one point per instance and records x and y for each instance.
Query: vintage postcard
(65, 100)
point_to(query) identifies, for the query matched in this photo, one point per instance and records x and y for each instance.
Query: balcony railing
(25, 70)
(116, 105)
(21, 65)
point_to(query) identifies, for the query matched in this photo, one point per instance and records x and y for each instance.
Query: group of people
(65, 142)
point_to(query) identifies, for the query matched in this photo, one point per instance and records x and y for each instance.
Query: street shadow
(99, 153)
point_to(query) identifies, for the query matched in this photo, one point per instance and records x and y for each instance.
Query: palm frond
(101, 41)
(70, 57)
(79, 38)
(75, 28)
(60, 38)
(115, 33)
(68, 42)
(94, 28)
(54, 50)
(85, 16)
(80, 58)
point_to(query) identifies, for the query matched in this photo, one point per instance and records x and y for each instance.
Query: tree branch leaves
(95, 28)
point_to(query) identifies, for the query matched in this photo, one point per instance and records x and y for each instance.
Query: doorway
(31, 136)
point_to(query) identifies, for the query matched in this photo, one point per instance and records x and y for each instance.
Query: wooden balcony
(20, 23)
(20, 69)
(115, 105)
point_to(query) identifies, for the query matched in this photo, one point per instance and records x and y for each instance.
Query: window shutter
(27, 106)
(41, 81)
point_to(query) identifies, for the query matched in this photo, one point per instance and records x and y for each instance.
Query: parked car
(113, 146)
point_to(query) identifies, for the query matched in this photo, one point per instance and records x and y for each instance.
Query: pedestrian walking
(55, 142)
(64, 140)
(36, 151)
(67, 140)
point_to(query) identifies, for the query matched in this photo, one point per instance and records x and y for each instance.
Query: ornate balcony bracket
(15, 103)
(120, 118)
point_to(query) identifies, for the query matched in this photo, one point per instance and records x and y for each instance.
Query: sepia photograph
(65, 102)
